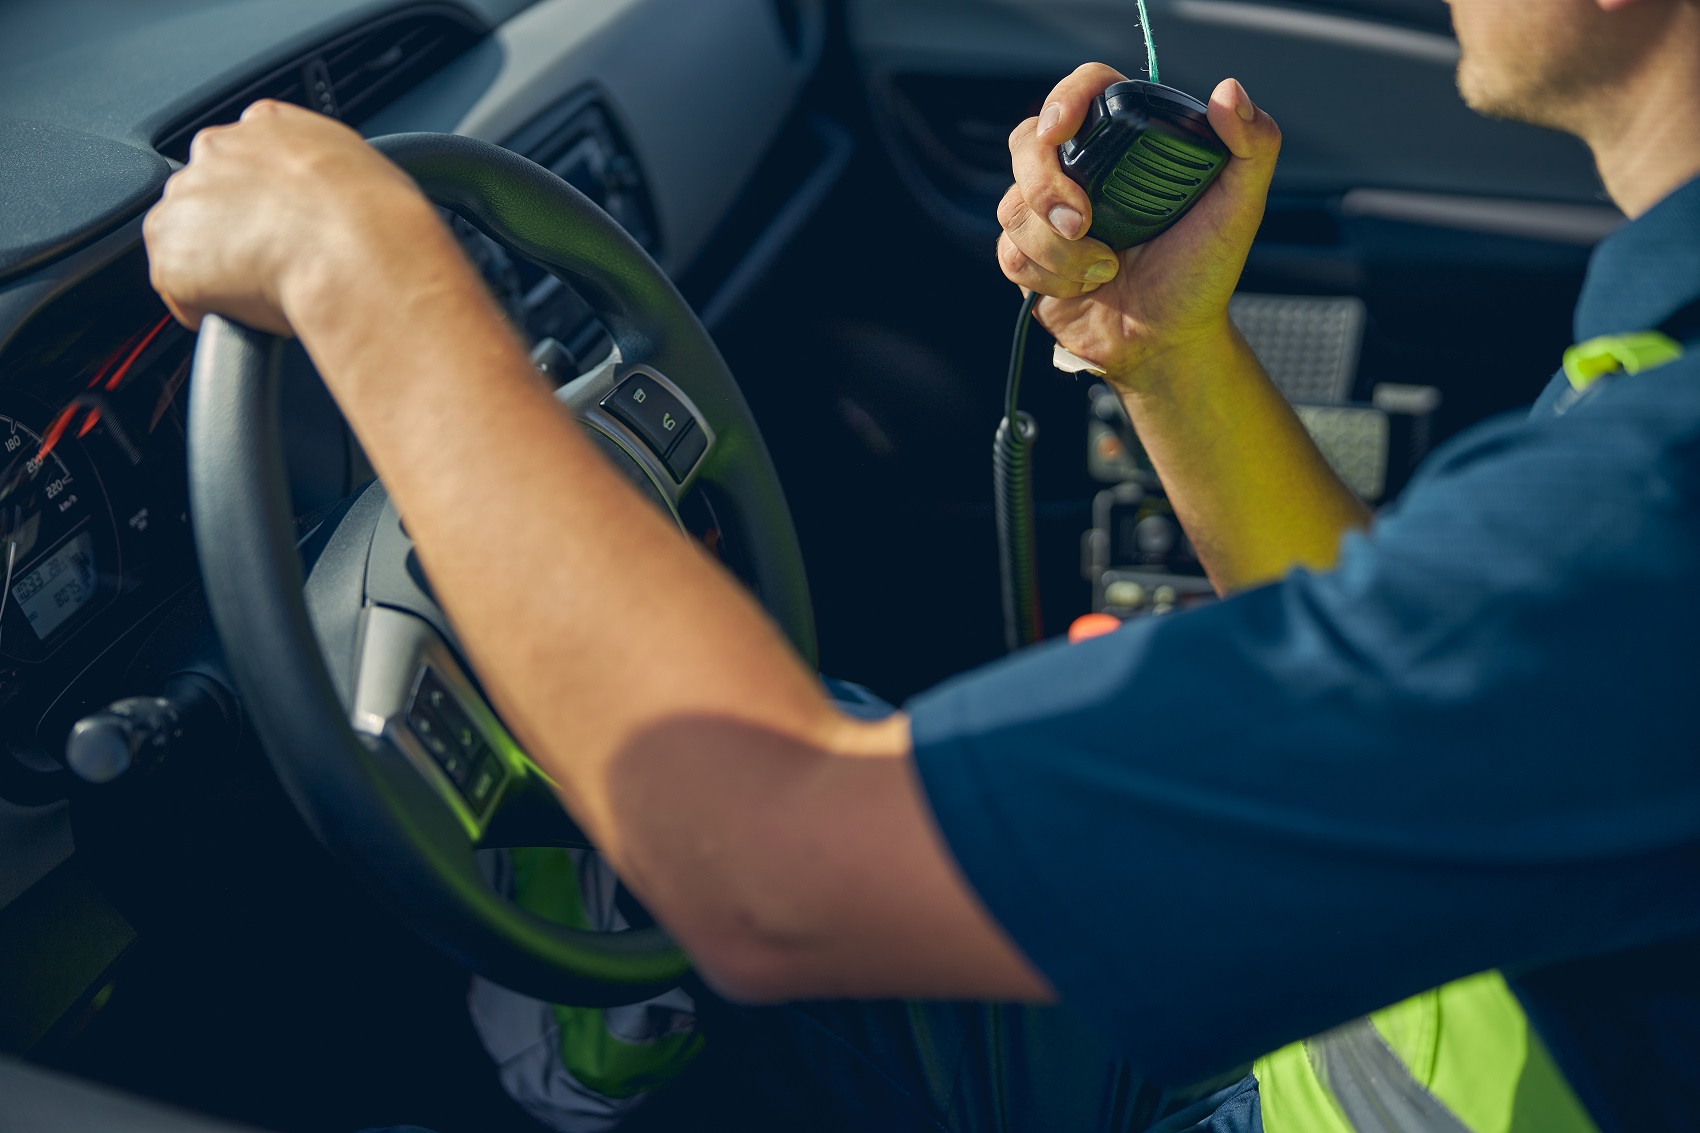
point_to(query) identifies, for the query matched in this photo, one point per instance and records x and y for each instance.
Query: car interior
(239, 875)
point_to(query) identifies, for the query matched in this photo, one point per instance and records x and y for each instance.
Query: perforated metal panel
(1309, 345)
(1355, 440)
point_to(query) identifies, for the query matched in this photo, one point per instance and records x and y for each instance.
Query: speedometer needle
(6, 591)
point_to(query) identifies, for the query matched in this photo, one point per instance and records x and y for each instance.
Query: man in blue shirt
(1460, 739)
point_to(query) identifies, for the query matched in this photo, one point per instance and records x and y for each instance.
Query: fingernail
(1049, 119)
(1101, 272)
(1066, 221)
(1243, 104)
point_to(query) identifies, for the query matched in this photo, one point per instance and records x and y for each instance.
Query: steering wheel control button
(471, 765)
(650, 409)
(434, 736)
(444, 729)
(454, 742)
(485, 782)
(456, 725)
(687, 452)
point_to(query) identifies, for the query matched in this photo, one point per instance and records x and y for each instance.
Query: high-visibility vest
(1461, 1058)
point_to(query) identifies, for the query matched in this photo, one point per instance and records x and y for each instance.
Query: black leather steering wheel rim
(357, 798)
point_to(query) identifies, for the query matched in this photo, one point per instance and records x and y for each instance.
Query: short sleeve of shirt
(1471, 745)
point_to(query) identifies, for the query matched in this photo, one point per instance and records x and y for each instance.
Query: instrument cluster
(94, 525)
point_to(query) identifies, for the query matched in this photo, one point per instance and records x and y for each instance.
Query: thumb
(1066, 106)
(1235, 203)
(1249, 133)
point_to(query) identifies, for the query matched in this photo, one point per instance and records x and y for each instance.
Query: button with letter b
(653, 412)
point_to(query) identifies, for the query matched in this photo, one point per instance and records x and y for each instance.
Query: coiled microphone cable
(1012, 451)
(1012, 495)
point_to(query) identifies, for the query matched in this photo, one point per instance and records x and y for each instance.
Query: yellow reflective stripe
(1587, 362)
(1468, 1043)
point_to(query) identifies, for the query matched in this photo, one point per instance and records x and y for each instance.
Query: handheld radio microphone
(1144, 155)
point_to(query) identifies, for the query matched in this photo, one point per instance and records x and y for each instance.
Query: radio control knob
(1156, 536)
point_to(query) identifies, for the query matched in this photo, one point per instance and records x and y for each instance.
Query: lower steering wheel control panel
(454, 742)
(412, 694)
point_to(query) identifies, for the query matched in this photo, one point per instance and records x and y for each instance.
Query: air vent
(351, 77)
(579, 141)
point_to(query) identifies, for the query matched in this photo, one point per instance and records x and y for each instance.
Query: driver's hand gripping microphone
(1144, 155)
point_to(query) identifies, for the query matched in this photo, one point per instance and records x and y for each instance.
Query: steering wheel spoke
(412, 695)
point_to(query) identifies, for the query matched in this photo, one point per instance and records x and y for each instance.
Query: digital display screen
(63, 584)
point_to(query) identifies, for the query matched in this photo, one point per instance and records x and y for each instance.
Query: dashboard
(660, 110)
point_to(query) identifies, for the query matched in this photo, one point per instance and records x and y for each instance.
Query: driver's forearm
(1255, 496)
(683, 732)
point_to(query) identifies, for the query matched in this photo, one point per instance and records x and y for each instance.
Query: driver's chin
(1508, 96)
(1478, 94)
(1541, 71)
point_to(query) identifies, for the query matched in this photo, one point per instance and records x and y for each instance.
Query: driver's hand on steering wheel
(1171, 294)
(272, 206)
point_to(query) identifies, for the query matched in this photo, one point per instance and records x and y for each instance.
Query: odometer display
(63, 584)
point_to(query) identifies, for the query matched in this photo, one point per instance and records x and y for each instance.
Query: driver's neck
(1644, 130)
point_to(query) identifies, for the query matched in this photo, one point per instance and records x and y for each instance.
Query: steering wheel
(345, 662)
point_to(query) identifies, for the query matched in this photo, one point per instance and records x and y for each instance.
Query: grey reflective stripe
(1373, 1086)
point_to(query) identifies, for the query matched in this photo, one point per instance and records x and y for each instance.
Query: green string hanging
(1150, 44)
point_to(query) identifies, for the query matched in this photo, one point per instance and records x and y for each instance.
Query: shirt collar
(1646, 271)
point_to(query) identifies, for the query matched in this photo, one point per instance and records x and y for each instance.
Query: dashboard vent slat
(352, 77)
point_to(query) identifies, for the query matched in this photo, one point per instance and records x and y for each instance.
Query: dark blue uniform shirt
(1474, 744)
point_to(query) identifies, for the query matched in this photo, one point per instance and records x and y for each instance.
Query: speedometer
(32, 501)
(57, 556)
